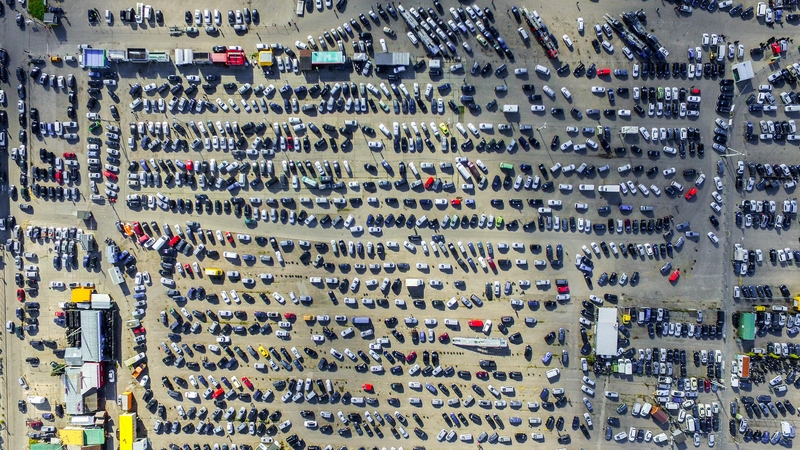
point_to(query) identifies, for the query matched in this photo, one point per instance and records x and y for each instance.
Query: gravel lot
(706, 280)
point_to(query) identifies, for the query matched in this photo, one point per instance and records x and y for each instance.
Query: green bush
(37, 8)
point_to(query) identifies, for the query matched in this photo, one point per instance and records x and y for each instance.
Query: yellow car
(263, 351)
(444, 129)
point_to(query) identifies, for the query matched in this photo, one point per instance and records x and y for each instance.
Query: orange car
(229, 236)
(675, 275)
(692, 192)
(128, 229)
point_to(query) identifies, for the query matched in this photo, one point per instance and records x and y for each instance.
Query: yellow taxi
(263, 351)
(444, 129)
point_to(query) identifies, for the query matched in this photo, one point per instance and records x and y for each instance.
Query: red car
(490, 261)
(444, 337)
(475, 323)
(675, 275)
(69, 155)
(367, 387)
(429, 183)
(247, 382)
(455, 202)
(563, 289)
(695, 91)
(187, 268)
(21, 294)
(110, 175)
(290, 316)
(229, 236)
(707, 385)
(35, 423)
(411, 357)
(218, 393)
(482, 375)
(692, 192)
(59, 313)
(189, 165)
(138, 330)
(59, 177)
(603, 71)
(137, 228)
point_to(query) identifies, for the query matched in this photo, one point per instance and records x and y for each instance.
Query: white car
(566, 93)
(598, 89)
(668, 172)
(628, 53)
(713, 237)
(567, 40)
(607, 45)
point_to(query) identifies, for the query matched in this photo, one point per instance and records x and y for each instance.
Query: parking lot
(267, 220)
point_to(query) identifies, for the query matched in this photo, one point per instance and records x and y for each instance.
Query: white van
(552, 373)
(523, 34)
(160, 243)
(542, 70)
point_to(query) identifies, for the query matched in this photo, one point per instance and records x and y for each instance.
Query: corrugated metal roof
(392, 59)
(42, 446)
(94, 57)
(73, 399)
(327, 58)
(90, 335)
(94, 436)
(606, 332)
(747, 326)
(72, 356)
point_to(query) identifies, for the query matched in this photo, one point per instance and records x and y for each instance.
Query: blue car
(547, 357)
(140, 296)
(544, 394)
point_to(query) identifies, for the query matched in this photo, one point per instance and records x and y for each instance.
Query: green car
(384, 107)
(174, 314)
(249, 221)
(454, 221)
(498, 222)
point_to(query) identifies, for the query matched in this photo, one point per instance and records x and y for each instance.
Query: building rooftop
(606, 332)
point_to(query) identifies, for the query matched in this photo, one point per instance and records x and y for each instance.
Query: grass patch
(37, 8)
